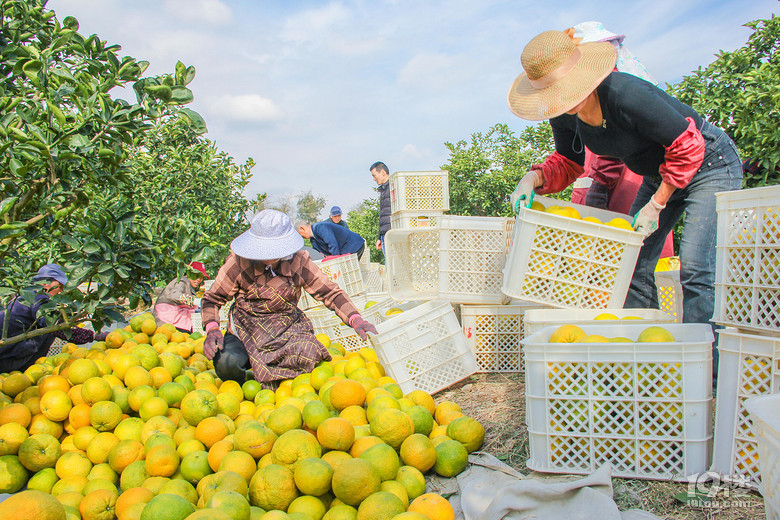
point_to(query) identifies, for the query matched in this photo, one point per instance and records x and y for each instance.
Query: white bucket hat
(270, 236)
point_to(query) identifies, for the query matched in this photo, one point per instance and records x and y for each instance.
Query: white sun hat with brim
(558, 75)
(270, 236)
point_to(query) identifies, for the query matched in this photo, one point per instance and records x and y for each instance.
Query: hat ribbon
(557, 74)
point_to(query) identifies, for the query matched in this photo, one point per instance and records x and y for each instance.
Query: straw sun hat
(270, 236)
(559, 74)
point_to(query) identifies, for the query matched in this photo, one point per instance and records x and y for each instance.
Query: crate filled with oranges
(635, 396)
(571, 256)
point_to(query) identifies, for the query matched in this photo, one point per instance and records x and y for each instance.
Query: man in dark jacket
(23, 317)
(381, 176)
(331, 239)
(336, 217)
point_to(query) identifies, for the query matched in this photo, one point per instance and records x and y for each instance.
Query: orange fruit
(39, 451)
(451, 458)
(124, 453)
(293, 446)
(15, 384)
(105, 415)
(195, 466)
(434, 506)
(100, 446)
(392, 426)
(42, 424)
(132, 496)
(384, 459)
(272, 487)
(362, 444)
(114, 339)
(153, 407)
(168, 506)
(31, 504)
(162, 461)
(72, 464)
(412, 480)
(16, 413)
(81, 370)
(79, 416)
(254, 438)
(98, 505)
(336, 434)
(356, 415)
(53, 382)
(13, 474)
(198, 405)
(313, 476)
(56, 405)
(136, 376)
(396, 488)
(12, 435)
(346, 393)
(354, 481)
(468, 432)
(211, 430)
(418, 451)
(333, 458)
(285, 418)
(380, 506)
(239, 461)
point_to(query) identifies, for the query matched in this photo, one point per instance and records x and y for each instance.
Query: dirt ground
(497, 400)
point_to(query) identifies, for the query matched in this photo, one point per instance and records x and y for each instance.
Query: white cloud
(315, 25)
(248, 108)
(431, 71)
(210, 12)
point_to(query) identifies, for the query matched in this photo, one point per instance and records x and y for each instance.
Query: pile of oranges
(140, 428)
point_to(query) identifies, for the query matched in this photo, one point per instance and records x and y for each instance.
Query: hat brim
(595, 64)
(247, 245)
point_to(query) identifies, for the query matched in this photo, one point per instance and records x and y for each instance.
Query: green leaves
(197, 122)
(740, 92)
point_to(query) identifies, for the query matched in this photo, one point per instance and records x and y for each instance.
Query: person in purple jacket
(20, 317)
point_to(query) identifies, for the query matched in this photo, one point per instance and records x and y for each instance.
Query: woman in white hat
(684, 160)
(267, 332)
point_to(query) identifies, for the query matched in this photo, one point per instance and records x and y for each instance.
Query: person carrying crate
(683, 159)
(267, 332)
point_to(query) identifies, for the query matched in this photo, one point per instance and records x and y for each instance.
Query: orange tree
(64, 143)
(740, 92)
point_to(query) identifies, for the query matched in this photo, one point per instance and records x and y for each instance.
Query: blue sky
(316, 91)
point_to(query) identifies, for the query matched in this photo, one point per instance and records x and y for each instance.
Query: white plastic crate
(570, 263)
(372, 277)
(747, 281)
(765, 413)
(419, 191)
(494, 333)
(537, 319)
(645, 408)
(461, 261)
(670, 294)
(344, 271)
(415, 219)
(197, 318)
(749, 366)
(424, 348)
(365, 258)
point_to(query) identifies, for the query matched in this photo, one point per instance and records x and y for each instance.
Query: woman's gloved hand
(646, 219)
(361, 326)
(101, 336)
(213, 343)
(525, 190)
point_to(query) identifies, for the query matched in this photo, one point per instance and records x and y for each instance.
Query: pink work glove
(361, 326)
(213, 343)
(646, 219)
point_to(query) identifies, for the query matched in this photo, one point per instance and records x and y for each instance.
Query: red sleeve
(605, 170)
(558, 172)
(683, 157)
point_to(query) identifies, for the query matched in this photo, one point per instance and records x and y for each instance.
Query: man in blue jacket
(331, 239)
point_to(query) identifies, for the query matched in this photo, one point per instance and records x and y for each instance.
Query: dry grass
(498, 402)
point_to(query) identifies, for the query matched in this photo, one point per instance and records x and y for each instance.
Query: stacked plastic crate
(418, 199)
(747, 299)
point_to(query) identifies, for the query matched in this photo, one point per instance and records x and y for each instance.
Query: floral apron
(278, 336)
